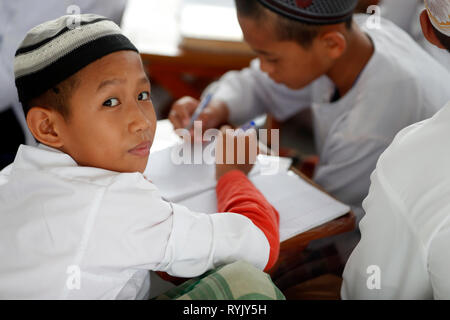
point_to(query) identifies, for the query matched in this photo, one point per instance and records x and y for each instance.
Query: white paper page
(180, 181)
(165, 136)
(300, 205)
(177, 182)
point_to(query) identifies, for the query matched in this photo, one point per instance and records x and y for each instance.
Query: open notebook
(300, 205)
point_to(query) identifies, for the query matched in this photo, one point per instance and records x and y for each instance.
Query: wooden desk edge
(199, 59)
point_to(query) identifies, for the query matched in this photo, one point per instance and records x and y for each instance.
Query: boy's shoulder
(401, 78)
(49, 164)
(429, 136)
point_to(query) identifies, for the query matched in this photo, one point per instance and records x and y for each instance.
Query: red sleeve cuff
(237, 194)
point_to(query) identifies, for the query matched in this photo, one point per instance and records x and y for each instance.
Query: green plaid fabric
(235, 281)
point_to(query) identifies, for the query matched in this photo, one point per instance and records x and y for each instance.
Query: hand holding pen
(212, 114)
(232, 155)
(203, 104)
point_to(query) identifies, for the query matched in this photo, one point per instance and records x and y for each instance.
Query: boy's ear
(43, 124)
(428, 31)
(334, 44)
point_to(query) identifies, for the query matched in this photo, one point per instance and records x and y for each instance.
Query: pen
(248, 125)
(200, 109)
(244, 128)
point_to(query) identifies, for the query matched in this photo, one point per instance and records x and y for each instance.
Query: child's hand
(213, 116)
(234, 155)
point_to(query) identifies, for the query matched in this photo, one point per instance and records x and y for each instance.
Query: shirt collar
(41, 157)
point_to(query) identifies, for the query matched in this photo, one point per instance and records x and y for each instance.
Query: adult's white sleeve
(439, 261)
(250, 92)
(389, 261)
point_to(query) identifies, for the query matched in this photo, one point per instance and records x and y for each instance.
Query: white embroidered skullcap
(439, 13)
(54, 50)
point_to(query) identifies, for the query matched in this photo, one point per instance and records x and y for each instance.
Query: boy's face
(284, 61)
(112, 121)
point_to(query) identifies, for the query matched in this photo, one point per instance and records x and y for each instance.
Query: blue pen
(248, 125)
(200, 109)
(244, 128)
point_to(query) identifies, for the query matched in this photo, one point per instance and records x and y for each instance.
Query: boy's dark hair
(56, 98)
(285, 28)
(445, 40)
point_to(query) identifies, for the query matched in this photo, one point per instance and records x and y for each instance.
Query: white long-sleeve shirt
(59, 220)
(400, 85)
(405, 234)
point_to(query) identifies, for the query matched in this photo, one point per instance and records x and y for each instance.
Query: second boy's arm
(245, 94)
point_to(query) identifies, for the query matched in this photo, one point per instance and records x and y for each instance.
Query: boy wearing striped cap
(405, 234)
(77, 217)
(364, 82)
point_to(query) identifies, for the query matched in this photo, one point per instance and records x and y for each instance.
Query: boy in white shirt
(78, 205)
(405, 234)
(16, 18)
(364, 83)
(351, 74)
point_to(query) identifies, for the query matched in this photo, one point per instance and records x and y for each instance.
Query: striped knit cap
(57, 49)
(320, 12)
